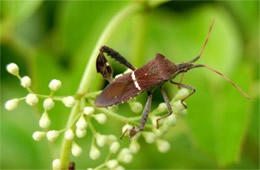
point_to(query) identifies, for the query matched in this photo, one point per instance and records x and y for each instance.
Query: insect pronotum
(150, 76)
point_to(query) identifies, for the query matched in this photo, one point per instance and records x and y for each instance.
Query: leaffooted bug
(152, 75)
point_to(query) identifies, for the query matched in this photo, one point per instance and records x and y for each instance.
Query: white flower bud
(54, 85)
(111, 139)
(48, 104)
(44, 121)
(114, 147)
(26, 81)
(136, 106)
(90, 169)
(125, 156)
(171, 120)
(52, 135)
(177, 107)
(134, 146)
(13, 69)
(68, 101)
(88, 110)
(111, 164)
(162, 107)
(154, 120)
(159, 132)
(94, 153)
(11, 104)
(101, 139)
(119, 167)
(56, 164)
(69, 135)
(80, 133)
(182, 93)
(76, 150)
(81, 123)
(31, 99)
(126, 127)
(149, 137)
(101, 118)
(38, 135)
(162, 145)
(184, 112)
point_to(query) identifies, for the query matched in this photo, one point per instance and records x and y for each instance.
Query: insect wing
(118, 91)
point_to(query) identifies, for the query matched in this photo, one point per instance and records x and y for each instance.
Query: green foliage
(221, 129)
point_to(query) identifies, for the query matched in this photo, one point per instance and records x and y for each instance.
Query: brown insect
(150, 76)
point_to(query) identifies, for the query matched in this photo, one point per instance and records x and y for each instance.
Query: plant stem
(66, 144)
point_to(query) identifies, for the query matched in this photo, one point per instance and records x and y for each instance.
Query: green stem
(119, 117)
(66, 145)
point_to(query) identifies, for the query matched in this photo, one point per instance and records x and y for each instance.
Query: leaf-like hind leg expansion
(112, 53)
(187, 87)
(166, 99)
(103, 67)
(146, 111)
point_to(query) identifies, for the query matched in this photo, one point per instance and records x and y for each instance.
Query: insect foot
(134, 131)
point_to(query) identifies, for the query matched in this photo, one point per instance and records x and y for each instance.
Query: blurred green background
(54, 39)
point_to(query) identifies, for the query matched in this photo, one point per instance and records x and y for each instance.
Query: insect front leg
(146, 111)
(181, 79)
(187, 87)
(166, 99)
(118, 57)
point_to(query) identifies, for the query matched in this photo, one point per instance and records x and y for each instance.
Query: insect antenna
(222, 75)
(205, 43)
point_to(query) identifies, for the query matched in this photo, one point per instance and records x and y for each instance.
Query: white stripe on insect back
(135, 81)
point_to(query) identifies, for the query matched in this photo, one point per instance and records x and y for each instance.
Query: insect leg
(103, 67)
(166, 99)
(112, 53)
(187, 87)
(146, 111)
(182, 75)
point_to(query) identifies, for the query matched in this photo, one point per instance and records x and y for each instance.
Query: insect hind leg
(103, 67)
(118, 57)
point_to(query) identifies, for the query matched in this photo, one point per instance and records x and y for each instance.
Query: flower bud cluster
(48, 103)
